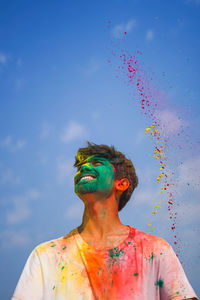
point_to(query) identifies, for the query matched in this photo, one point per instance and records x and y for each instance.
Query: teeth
(87, 177)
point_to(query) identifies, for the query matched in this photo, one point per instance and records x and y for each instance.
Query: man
(103, 258)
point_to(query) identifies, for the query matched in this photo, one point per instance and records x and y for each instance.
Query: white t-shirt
(143, 267)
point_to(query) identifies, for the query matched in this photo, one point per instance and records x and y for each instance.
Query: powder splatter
(130, 68)
(115, 255)
(152, 256)
(160, 283)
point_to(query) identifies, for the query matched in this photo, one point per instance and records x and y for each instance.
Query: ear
(122, 184)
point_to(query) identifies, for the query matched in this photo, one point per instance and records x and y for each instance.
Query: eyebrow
(97, 158)
(86, 161)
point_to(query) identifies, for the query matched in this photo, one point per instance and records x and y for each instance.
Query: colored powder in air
(131, 69)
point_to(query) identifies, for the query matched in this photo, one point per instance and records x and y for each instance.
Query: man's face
(95, 175)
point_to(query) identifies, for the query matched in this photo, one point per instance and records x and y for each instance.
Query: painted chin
(85, 182)
(85, 185)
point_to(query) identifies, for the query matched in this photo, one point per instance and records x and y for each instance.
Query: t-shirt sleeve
(30, 284)
(173, 281)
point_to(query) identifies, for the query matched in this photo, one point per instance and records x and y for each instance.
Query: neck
(101, 218)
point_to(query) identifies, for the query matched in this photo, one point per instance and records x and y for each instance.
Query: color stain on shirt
(160, 283)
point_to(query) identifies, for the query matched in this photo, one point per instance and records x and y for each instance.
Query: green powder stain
(53, 287)
(131, 236)
(115, 255)
(177, 293)
(135, 274)
(103, 212)
(129, 243)
(160, 283)
(111, 252)
(62, 268)
(64, 248)
(53, 245)
(161, 253)
(152, 256)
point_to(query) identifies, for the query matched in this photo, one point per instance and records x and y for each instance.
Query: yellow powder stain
(43, 247)
(66, 273)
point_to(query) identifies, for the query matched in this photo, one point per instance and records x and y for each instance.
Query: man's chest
(118, 274)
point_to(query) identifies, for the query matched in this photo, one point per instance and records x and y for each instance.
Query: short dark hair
(124, 167)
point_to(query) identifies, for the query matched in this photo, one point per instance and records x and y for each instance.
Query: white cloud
(170, 122)
(65, 171)
(6, 142)
(20, 144)
(11, 145)
(7, 177)
(14, 238)
(149, 35)
(120, 29)
(74, 131)
(3, 58)
(20, 213)
(21, 210)
(189, 174)
(46, 130)
(75, 211)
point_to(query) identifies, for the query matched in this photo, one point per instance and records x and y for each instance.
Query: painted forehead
(90, 158)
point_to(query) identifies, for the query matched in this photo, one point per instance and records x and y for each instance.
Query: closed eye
(96, 163)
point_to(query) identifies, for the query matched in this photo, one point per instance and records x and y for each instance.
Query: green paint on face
(135, 274)
(64, 248)
(160, 283)
(102, 173)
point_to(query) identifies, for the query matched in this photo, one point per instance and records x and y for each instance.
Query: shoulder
(149, 238)
(58, 245)
(152, 243)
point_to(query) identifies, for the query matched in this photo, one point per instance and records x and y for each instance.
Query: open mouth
(87, 177)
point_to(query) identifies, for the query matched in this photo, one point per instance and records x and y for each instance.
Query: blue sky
(58, 90)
